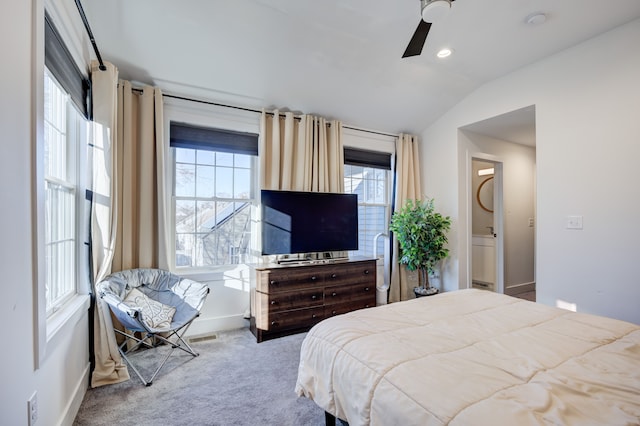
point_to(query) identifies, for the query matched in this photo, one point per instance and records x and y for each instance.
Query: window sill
(215, 273)
(70, 313)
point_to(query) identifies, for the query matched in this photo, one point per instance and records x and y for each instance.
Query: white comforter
(473, 357)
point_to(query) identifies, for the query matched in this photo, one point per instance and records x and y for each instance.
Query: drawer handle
(274, 323)
(333, 275)
(366, 306)
(273, 282)
(274, 302)
(334, 294)
(314, 297)
(313, 278)
(333, 312)
(366, 272)
(366, 289)
(313, 316)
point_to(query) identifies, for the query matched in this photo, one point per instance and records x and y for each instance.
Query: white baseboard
(520, 288)
(72, 408)
(202, 326)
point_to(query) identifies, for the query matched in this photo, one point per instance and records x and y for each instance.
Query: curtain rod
(183, 98)
(90, 34)
(267, 112)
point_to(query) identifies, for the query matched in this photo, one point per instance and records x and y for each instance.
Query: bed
(472, 357)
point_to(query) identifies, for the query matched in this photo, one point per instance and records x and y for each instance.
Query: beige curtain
(303, 154)
(128, 197)
(408, 187)
(139, 139)
(109, 366)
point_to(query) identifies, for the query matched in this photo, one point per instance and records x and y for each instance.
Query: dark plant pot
(422, 292)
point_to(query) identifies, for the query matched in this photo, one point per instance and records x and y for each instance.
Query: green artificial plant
(422, 236)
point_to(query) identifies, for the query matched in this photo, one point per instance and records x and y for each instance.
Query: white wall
(60, 380)
(16, 301)
(587, 100)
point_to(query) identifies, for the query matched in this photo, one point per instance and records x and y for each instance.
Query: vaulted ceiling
(338, 58)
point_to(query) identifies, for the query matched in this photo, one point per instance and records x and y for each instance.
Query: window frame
(375, 143)
(252, 200)
(363, 203)
(74, 161)
(49, 332)
(214, 116)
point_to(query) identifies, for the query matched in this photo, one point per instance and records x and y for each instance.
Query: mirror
(485, 194)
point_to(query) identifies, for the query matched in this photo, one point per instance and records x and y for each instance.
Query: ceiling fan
(432, 10)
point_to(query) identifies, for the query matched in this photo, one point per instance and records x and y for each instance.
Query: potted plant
(422, 236)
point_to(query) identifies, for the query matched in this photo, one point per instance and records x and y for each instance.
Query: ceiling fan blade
(417, 41)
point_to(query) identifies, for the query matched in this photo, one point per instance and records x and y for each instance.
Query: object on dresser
(308, 222)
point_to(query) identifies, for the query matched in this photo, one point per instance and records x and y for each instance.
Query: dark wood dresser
(288, 299)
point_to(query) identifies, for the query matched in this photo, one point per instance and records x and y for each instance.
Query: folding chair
(158, 305)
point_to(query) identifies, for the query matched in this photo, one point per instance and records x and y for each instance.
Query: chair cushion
(155, 314)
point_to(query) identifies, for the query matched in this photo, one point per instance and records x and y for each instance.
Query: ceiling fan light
(434, 10)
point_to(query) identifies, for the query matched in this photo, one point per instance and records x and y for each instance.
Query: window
(369, 179)
(213, 195)
(64, 129)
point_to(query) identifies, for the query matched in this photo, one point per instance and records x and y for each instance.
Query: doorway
(505, 143)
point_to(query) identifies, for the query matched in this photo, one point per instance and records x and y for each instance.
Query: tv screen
(308, 222)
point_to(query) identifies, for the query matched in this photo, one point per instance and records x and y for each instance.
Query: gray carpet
(234, 381)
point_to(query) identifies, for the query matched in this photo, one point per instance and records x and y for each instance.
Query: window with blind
(64, 129)
(368, 174)
(62, 154)
(213, 195)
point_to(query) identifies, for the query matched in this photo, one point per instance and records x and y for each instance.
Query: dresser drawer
(343, 308)
(352, 274)
(282, 301)
(340, 294)
(294, 319)
(289, 279)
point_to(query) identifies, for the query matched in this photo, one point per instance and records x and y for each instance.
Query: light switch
(574, 222)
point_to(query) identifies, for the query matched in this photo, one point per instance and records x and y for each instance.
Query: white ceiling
(517, 126)
(337, 58)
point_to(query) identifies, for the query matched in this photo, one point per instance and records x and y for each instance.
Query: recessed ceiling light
(536, 18)
(443, 53)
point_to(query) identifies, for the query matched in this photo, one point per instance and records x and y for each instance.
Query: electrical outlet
(32, 407)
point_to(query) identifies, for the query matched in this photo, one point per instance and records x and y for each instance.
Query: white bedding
(473, 357)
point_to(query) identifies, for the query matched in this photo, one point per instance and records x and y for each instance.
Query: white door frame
(498, 214)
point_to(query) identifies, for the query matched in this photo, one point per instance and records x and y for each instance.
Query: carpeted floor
(234, 381)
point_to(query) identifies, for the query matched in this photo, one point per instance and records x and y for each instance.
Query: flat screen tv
(295, 222)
